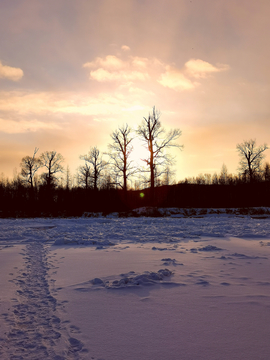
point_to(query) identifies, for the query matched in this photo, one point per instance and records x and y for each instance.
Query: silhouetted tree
(250, 158)
(29, 167)
(168, 175)
(68, 178)
(107, 182)
(94, 158)
(157, 141)
(223, 177)
(215, 179)
(266, 172)
(120, 150)
(84, 175)
(207, 179)
(200, 179)
(52, 161)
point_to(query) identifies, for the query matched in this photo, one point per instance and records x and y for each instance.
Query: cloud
(133, 108)
(112, 68)
(140, 63)
(110, 62)
(200, 69)
(22, 111)
(125, 48)
(131, 69)
(104, 75)
(176, 80)
(10, 73)
(16, 127)
(181, 80)
(129, 84)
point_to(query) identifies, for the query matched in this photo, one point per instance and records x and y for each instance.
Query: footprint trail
(36, 331)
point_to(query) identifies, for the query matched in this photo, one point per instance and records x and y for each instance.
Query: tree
(52, 161)
(266, 172)
(30, 166)
(250, 158)
(167, 176)
(84, 175)
(120, 150)
(200, 179)
(157, 141)
(94, 158)
(223, 177)
(215, 179)
(68, 179)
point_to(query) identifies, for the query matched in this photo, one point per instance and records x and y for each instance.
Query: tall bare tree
(157, 141)
(52, 161)
(94, 158)
(29, 167)
(251, 158)
(84, 175)
(120, 150)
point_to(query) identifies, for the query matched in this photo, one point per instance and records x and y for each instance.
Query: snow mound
(243, 256)
(149, 211)
(210, 248)
(169, 261)
(69, 241)
(206, 248)
(132, 280)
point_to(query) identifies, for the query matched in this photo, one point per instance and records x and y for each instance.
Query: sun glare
(139, 152)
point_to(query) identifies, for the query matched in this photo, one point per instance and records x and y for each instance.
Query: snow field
(135, 288)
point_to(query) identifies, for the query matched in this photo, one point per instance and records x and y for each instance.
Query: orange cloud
(125, 48)
(105, 75)
(175, 80)
(110, 62)
(112, 68)
(134, 68)
(200, 69)
(16, 127)
(10, 73)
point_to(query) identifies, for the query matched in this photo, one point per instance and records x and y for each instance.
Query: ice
(188, 285)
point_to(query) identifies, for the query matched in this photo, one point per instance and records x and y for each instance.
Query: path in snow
(214, 305)
(36, 330)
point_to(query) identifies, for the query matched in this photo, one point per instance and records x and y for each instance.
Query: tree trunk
(152, 172)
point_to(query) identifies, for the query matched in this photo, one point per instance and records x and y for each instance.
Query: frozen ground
(135, 288)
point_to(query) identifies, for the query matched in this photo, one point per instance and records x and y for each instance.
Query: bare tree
(107, 182)
(69, 178)
(30, 166)
(200, 179)
(157, 141)
(250, 158)
(215, 179)
(207, 179)
(94, 158)
(52, 161)
(120, 150)
(266, 172)
(84, 175)
(223, 177)
(168, 175)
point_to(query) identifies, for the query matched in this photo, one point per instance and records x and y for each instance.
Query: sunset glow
(72, 72)
(139, 152)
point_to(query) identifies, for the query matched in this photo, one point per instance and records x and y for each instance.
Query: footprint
(76, 344)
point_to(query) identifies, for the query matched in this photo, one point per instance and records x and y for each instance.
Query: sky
(72, 72)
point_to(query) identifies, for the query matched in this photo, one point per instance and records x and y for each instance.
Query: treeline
(19, 200)
(45, 188)
(226, 178)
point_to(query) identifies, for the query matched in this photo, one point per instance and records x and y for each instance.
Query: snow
(113, 288)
